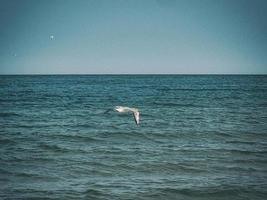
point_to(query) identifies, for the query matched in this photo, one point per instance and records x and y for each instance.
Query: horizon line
(51, 74)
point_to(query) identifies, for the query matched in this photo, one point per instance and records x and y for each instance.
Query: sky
(133, 37)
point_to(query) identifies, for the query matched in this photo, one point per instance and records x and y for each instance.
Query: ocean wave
(220, 192)
(241, 142)
(8, 114)
(245, 151)
(169, 167)
(96, 194)
(5, 171)
(171, 104)
(129, 135)
(77, 137)
(210, 89)
(55, 148)
(6, 141)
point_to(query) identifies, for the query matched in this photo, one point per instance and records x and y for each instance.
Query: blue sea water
(200, 137)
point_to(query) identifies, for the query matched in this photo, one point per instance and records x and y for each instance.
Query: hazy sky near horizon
(133, 36)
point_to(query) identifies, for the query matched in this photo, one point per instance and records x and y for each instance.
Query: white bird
(52, 37)
(127, 109)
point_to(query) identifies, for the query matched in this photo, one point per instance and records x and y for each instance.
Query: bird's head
(118, 108)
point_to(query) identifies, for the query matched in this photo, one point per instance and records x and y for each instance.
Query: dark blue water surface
(200, 137)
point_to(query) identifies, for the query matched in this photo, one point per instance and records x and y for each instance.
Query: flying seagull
(52, 37)
(127, 109)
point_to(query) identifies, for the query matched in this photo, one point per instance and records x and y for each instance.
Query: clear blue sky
(133, 36)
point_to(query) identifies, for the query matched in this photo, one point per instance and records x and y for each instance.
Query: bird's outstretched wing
(136, 117)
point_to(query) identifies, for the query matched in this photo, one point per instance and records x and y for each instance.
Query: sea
(200, 137)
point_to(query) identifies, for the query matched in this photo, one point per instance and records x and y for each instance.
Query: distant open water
(200, 137)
